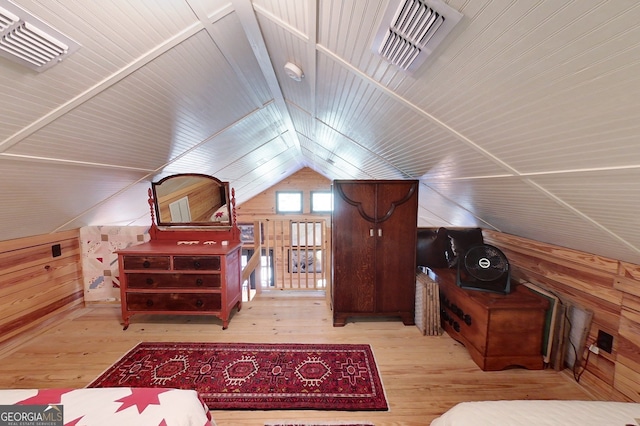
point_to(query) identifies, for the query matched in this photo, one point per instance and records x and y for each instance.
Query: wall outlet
(56, 250)
(593, 348)
(605, 341)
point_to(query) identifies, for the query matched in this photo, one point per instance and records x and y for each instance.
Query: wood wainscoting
(35, 285)
(607, 287)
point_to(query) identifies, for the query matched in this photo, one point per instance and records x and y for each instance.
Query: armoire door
(397, 206)
(353, 248)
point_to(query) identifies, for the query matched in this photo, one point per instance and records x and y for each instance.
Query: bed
(541, 413)
(114, 406)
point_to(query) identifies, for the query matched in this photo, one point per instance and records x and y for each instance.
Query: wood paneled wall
(263, 205)
(35, 286)
(607, 287)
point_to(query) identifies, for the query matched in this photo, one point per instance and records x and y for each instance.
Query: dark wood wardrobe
(374, 227)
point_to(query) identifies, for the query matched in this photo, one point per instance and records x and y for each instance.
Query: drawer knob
(199, 303)
(456, 326)
(445, 315)
(149, 302)
(199, 282)
(149, 281)
(146, 264)
(196, 264)
(467, 319)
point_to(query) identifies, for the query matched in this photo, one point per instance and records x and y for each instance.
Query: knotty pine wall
(34, 285)
(607, 287)
(262, 208)
(263, 205)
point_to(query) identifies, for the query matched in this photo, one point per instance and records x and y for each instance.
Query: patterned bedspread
(116, 406)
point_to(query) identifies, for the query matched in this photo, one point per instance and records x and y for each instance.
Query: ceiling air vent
(27, 40)
(412, 29)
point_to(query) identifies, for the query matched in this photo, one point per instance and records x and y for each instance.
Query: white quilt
(117, 406)
(541, 413)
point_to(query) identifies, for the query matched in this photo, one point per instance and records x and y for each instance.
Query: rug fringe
(384, 389)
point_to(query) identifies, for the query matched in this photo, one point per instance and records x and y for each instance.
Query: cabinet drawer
(147, 262)
(174, 302)
(191, 281)
(197, 263)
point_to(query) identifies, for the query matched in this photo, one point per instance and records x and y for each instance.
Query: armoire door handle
(371, 232)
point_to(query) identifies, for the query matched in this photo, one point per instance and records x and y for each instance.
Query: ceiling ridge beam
(310, 39)
(249, 22)
(101, 86)
(312, 25)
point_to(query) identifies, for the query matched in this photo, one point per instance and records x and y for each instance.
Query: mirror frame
(160, 206)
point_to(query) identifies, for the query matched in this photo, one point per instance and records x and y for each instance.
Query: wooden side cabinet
(499, 331)
(167, 277)
(373, 248)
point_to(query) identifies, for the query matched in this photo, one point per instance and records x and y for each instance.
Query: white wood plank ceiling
(524, 120)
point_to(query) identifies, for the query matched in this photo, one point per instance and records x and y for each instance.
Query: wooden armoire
(374, 228)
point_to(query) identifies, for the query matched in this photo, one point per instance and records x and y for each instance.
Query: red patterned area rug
(244, 376)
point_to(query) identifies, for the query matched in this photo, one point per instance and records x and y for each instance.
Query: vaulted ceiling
(526, 119)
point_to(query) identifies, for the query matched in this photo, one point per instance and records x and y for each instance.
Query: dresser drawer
(196, 263)
(174, 302)
(147, 262)
(190, 281)
(168, 278)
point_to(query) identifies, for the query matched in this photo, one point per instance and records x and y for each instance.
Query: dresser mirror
(191, 199)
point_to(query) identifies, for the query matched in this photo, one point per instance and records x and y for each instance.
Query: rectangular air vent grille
(7, 19)
(27, 40)
(412, 29)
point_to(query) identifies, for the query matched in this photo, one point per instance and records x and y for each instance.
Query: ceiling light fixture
(293, 71)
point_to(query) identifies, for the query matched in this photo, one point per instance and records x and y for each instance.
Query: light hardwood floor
(423, 376)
